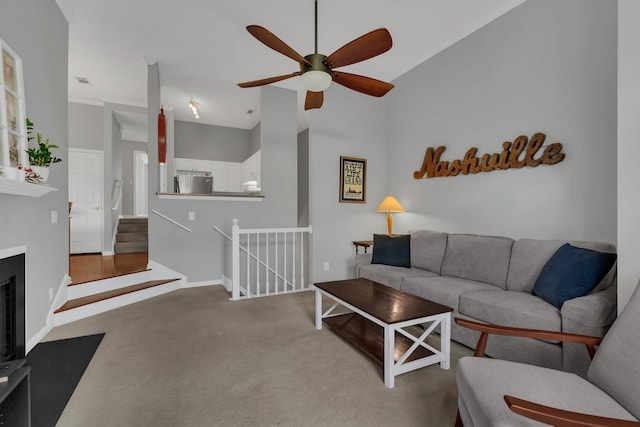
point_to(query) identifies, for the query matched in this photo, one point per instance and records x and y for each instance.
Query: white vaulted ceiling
(203, 48)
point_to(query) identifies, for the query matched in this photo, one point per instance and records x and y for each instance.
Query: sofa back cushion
(480, 258)
(427, 249)
(529, 256)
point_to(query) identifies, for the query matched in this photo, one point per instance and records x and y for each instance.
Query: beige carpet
(194, 358)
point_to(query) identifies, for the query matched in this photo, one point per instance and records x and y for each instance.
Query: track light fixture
(194, 107)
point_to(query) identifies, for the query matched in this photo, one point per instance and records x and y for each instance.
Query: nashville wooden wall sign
(522, 152)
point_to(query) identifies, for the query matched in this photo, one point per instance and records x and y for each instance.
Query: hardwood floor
(79, 302)
(89, 267)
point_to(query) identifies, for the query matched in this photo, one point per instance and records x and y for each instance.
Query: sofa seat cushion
(443, 290)
(479, 258)
(509, 308)
(389, 275)
(483, 382)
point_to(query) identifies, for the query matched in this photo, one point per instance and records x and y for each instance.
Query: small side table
(362, 243)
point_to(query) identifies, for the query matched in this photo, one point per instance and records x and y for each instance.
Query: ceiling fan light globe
(316, 81)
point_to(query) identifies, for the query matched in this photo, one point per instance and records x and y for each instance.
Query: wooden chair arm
(486, 329)
(560, 417)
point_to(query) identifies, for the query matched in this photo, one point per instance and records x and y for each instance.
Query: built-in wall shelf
(22, 188)
(221, 196)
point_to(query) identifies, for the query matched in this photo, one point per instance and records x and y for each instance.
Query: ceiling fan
(317, 70)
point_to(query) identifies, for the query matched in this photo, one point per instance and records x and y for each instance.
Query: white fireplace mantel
(9, 252)
(22, 188)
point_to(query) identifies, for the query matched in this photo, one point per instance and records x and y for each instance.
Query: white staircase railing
(172, 221)
(267, 261)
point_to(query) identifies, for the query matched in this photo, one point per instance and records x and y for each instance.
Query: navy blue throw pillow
(392, 249)
(571, 272)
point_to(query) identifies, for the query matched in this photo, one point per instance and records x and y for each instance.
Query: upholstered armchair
(495, 392)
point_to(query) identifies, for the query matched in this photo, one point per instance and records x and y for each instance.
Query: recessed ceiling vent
(83, 80)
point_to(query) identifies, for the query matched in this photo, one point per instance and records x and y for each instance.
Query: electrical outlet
(326, 266)
(192, 216)
(54, 217)
(50, 294)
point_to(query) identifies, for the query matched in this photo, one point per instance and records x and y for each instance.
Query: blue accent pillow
(571, 272)
(392, 249)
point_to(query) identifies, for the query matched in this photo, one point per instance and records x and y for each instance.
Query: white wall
(546, 66)
(628, 148)
(37, 31)
(348, 124)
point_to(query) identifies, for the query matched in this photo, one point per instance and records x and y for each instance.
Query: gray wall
(85, 126)
(628, 149)
(348, 124)
(128, 147)
(546, 66)
(201, 253)
(303, 178)
(41, 40)
(255, 140)
(209, 142)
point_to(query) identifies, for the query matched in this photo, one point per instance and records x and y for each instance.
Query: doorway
(86, 196)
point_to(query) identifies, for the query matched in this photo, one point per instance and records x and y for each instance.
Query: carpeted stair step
(91, 299)
(131, 247)
(133, 227)
(141, 220)
(132, 237)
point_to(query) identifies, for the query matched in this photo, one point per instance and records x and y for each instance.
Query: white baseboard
(38, 336)
(227, 283)
(108, 253)
(199, 284)
(59, 299)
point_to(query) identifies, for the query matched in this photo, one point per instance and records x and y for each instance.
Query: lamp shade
(316, 81)
(389, 204)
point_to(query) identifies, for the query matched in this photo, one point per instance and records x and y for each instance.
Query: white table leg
(389, 350)
(445, 338)
(318, 309)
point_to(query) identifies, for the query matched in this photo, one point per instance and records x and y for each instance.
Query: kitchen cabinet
(227, 176)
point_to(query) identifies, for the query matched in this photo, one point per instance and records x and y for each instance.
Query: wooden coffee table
(379, 313)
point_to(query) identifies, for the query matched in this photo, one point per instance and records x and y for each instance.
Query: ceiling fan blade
(271, 40)
(269, 80)
(366, 85)
(313, 100)
(364, 47)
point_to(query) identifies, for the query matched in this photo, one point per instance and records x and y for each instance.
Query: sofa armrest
(362, 259)
(486, 329)
(591, 314)
(561, 417)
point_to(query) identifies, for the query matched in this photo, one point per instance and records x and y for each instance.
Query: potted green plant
(40, 157)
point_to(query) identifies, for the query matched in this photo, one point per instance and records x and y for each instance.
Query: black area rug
(56, 369)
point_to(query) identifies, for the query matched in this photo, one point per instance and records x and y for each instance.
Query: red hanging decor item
(162, 137)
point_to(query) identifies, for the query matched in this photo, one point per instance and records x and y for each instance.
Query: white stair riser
(98, 286)
(115, 302)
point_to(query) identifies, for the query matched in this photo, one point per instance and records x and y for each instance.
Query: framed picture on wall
(353, 180)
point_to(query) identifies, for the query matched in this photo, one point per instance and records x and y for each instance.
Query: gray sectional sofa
(489, 279)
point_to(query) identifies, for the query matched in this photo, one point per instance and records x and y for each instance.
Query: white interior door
(86, 194)
(141, 185)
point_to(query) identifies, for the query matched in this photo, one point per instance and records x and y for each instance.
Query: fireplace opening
(7, 321)
(12, 308)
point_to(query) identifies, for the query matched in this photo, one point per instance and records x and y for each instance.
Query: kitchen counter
(216, 195)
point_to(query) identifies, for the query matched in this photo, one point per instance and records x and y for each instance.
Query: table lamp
(389, 205)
